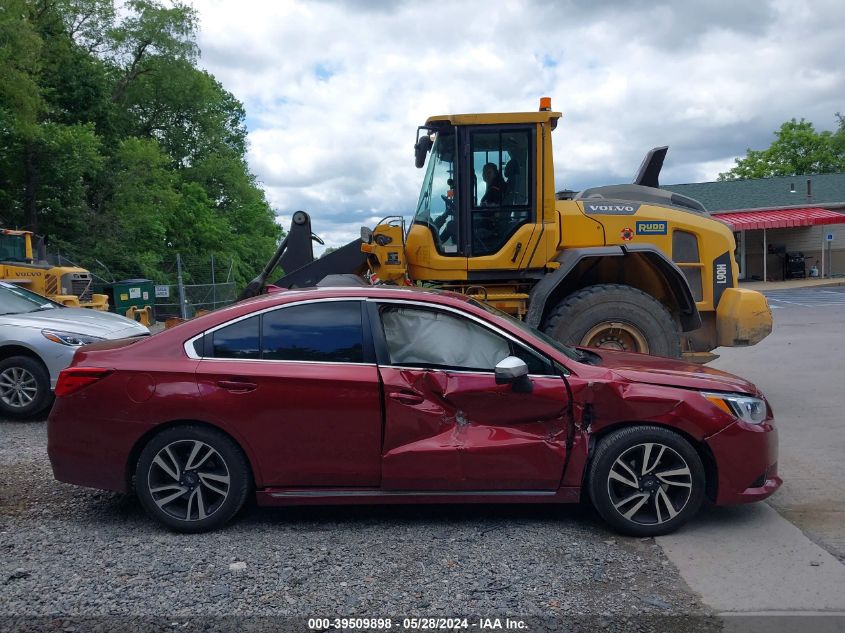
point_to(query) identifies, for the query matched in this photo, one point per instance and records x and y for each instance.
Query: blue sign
(652, 228)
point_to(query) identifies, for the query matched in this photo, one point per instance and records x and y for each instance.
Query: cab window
(437, 206)
(501, 186)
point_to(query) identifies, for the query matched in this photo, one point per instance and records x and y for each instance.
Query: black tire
(613, 499)
(22, 378)
(198, 484)
(640, 315)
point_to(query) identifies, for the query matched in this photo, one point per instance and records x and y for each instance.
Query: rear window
(239, 340)
(328, 332)
(315, 332)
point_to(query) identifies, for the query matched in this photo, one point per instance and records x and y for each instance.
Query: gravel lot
(78, 552)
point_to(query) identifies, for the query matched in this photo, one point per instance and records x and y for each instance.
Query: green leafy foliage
(797, 149)
(117, 146)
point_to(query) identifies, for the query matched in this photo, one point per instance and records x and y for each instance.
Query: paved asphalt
(807, 297)
(749, 558)
(801, 369)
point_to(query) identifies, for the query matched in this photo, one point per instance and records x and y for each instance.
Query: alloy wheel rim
(18, 387)
(615, 335)
(188, 480)
(649, 484)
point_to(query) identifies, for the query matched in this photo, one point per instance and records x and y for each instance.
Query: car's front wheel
(646, 480)
(192, 478)
(24, 387)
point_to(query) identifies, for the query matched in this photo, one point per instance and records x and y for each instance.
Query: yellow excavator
(68, 285)
(629, 267)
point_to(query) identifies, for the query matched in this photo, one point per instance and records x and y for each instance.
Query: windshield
(16, 300)
(12, 248)
(437, 206)
(570, 352)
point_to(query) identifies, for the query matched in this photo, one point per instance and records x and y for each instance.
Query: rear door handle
(407, 397)
(237, 385)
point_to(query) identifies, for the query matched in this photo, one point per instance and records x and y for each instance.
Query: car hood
(79, 321)
(657, 370)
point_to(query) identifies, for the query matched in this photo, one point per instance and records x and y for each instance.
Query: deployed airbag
(416, 337)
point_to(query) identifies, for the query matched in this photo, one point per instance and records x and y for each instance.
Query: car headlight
(745, 408)
(69, 338)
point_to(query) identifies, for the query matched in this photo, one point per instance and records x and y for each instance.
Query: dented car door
(448, 425)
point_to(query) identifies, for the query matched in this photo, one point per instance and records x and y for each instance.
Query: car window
(422, 337)
(327, 332)
(570, 352)
(239, 340)
(15, 300)
(324, 331)
(537, 364)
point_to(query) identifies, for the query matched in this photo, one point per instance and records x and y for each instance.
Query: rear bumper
(747, 462)
(87, 450)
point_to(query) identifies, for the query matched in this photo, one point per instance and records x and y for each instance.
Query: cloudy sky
(334, 90)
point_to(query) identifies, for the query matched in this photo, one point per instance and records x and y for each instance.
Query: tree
(21, 105)
(118, 146)
(797, 149)
(150, 33)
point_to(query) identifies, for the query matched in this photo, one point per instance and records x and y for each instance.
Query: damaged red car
(387, 395)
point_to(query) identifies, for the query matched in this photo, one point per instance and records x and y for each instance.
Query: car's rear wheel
(192, 478)
(646, 480)
(24, 387)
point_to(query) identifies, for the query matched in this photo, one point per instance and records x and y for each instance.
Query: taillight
(73, 379)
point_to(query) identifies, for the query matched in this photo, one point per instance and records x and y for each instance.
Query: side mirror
(421, 149)
(366, 234)
(514, 372)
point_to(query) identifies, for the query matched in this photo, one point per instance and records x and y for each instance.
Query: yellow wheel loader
(628, 267)
(68, 285)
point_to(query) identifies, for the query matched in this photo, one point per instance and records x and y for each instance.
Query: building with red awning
(783, 225)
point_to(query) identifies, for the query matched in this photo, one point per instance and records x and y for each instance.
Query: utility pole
(213, 285)
(183, 307)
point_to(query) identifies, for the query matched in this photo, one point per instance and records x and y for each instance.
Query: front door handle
(237, 386)
(407, 397)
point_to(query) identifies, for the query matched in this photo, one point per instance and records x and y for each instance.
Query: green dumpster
(131, 293)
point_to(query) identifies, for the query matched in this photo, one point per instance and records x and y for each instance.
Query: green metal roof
(765, 193)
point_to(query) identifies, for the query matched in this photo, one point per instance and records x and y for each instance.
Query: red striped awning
(779, 218)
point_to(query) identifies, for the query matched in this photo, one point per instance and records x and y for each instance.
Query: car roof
(191, 327)
(375, 292)
(283, 296)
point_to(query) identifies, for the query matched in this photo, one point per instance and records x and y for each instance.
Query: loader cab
(479, 191)
(15, 246)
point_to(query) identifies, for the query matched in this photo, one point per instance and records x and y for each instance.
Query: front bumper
(57, 357)
(746, 461)
(743, 317)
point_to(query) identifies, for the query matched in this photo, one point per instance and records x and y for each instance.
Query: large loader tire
(612, 316)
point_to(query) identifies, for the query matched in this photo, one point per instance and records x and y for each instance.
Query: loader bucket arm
(295, 255)
(347, 259)
(295, 250)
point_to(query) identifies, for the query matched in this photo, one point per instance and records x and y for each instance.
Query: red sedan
(387, 395)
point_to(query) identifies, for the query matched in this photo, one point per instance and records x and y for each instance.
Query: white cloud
(334, 91)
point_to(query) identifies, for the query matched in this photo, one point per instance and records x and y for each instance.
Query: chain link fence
(186, 286)
(198, 284)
